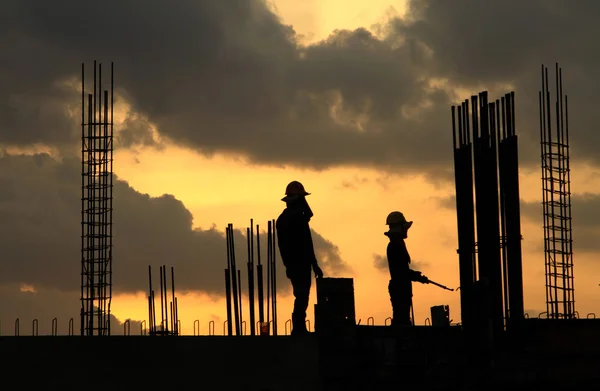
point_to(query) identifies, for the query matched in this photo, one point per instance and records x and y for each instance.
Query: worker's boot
(299, 324)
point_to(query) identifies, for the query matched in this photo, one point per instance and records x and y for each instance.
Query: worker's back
(294, 237)
(398, 262)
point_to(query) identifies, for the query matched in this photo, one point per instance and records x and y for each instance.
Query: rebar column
(96, 203)
(556, 201)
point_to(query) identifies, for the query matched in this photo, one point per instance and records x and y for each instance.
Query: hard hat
(397, 220)
(295, 188)
(293, 191)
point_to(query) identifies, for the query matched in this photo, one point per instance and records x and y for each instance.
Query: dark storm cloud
(477, 44)
(585, 212)
(229, 76)
(42, 306)
(40, 230)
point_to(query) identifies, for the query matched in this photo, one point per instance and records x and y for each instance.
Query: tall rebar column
(96, 203)
(556, 201)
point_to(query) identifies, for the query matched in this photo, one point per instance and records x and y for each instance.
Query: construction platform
(545, 354)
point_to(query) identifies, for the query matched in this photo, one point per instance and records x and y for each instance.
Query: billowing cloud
(40, 229)
(328, 256)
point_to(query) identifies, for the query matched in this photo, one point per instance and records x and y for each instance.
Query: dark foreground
(553, 355)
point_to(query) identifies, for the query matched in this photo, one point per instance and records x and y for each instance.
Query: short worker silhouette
(400, 286)
(297, 251)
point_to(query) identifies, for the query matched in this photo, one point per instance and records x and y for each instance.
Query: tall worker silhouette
(297, 250)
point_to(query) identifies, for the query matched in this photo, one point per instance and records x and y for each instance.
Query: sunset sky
(221, 104)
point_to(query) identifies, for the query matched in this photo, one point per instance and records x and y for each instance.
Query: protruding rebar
(260, 276)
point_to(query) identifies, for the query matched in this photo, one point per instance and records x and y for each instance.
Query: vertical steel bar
(259, 267)
(92, 203)
(162, 309)
(234, 283)
(164, 269)
(173, 314)
(274, 278)
(228, 298)
(501, 152)
(150, 320)
(513, 198)
(83, 198)
(568, 205)
(154, 310)
(250, 286)
(542, 110)
(269, 290)
(239, 280)
(228, 285)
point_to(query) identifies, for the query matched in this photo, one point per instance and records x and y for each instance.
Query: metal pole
(259, 267)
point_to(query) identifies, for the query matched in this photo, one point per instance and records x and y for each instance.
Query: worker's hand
(423, 279)
(318, 271)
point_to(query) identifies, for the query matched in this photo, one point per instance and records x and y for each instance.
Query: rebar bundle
(233, 284)
(169, 314)
(96, 204)
(486, 156)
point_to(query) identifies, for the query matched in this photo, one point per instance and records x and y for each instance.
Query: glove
(423, 279)
(318, 271)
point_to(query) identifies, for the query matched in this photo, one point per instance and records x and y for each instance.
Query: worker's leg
(301, 281)
(401, 301)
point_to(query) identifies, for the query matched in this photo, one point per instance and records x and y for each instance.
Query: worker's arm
(417, 276)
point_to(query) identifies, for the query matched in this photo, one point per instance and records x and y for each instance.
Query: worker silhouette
(297, 251)
(400, 286)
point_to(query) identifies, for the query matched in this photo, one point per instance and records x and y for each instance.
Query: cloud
(328, 256)
(448, 202)
(585, 213)
(40, 229)
(380, 262)
(353, 183)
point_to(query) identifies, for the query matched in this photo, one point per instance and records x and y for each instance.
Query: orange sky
(224, 189)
